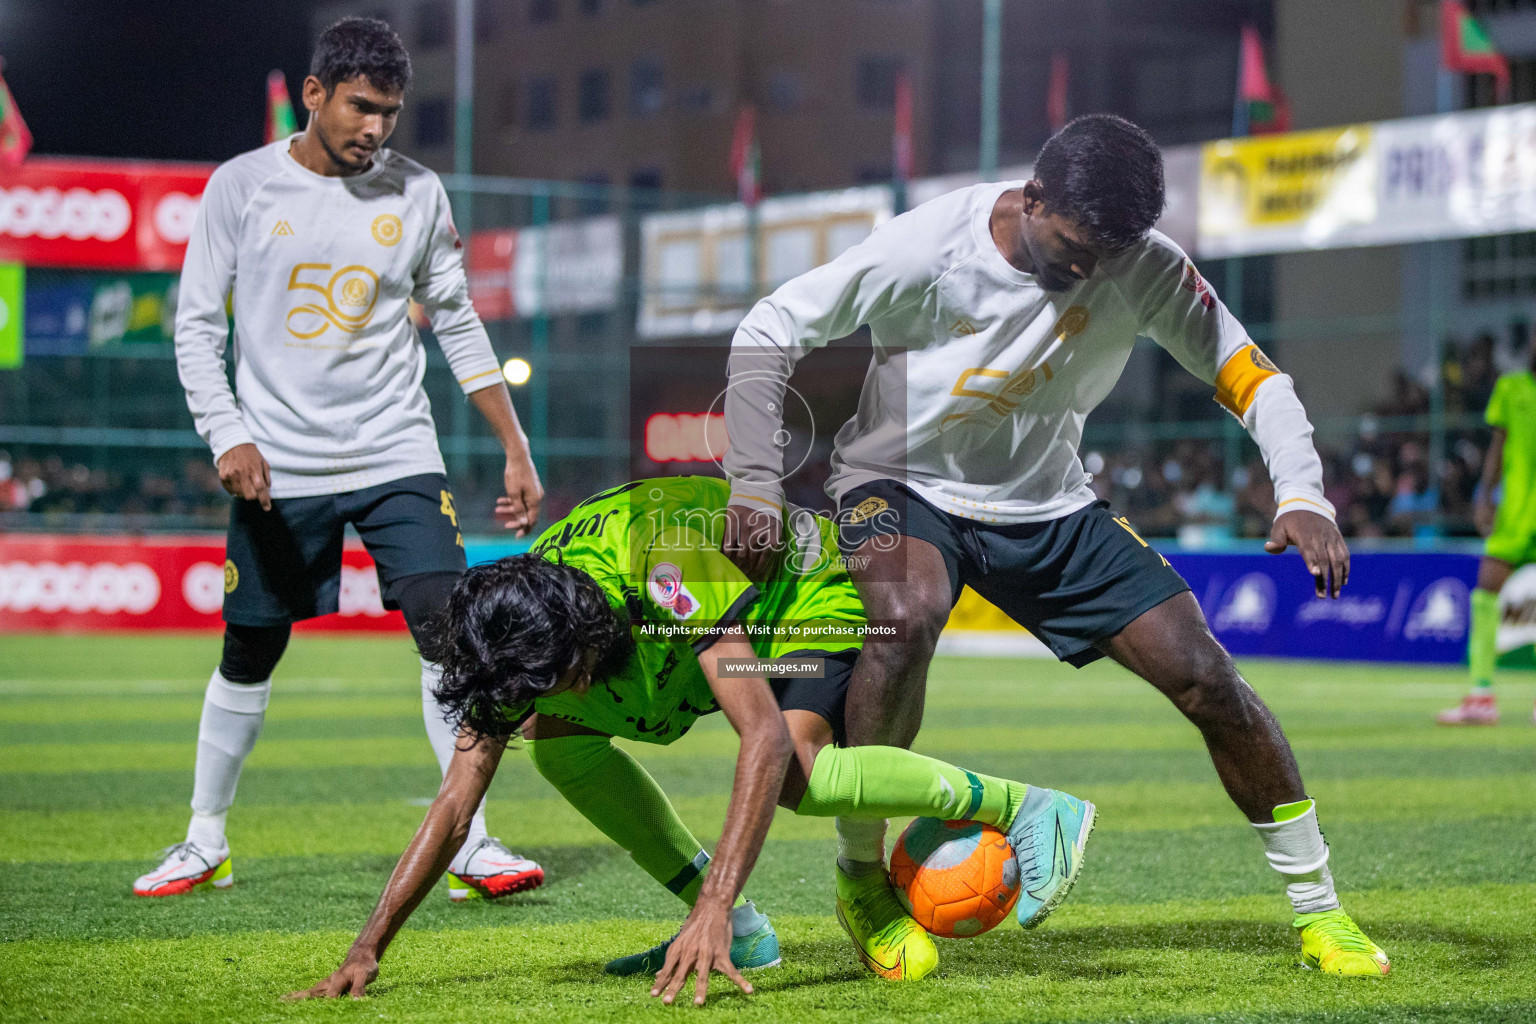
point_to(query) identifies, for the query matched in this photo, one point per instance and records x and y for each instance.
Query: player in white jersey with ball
(320, 242)
(1001, 315)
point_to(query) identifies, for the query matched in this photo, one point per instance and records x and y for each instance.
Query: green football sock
(888, 782)
(1482, 645)
(613, 792)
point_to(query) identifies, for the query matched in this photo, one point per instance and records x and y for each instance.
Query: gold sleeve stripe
(477, 376)
(1304, 501)
(1241, 377)
(761, 501)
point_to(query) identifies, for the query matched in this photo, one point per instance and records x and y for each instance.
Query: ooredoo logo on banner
(121, 215)
(79, 584)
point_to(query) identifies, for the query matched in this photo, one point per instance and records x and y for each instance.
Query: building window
(541, 11)
(1481, 90)
(1499, 267)
(877, 82)
(700, 98)
(646, 91)
(487, 24)
(591, 8)
(1482, 7)
(434, 26)
(432, 121)
(592, 101)
(541, 97)
(595, 200)
(786, 90)
(645, 177)
(507, 105)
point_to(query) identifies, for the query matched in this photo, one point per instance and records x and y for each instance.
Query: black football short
(1071, 581)
(285, 565)
(827, 697)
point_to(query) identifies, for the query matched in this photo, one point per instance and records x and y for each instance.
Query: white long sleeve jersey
(328, 366)
(981, 380)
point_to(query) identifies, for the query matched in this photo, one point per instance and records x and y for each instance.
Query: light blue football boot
(756, 949)
(1048, 835)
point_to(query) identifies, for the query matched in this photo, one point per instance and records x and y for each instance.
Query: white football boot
(487, 869)
(187, 866)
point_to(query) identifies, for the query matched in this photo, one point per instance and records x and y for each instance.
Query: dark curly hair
(1105, 174)
(365, 47)
(510, 630)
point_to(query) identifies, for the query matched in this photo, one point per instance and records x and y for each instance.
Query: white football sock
(442, 737)
(232, 717)
(1297, 850)
(860, 845)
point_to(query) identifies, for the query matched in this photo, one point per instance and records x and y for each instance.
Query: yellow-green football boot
(886, 937)
(1333, 944)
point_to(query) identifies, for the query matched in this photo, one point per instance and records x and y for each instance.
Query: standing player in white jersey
(1001, 315)
(324, 239)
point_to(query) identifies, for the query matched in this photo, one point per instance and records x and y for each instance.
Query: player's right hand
(245, 474)
(350, 979)
(754, 540)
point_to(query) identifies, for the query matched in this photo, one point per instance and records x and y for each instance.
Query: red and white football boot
(1474, 709)
(187, 866)
(487, 869)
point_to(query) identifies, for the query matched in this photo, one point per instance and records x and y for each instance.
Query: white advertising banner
(1517, 610)
(1410, 180)
(695, 264)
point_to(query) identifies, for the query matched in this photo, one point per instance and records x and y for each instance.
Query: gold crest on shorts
(231, 577)
(867, 508)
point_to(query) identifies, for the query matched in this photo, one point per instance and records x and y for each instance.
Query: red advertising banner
(488, 264)
(101, 214)
(81, 584)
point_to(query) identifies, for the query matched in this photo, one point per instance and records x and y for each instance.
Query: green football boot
(1334, 944)
(756, 950)
(886, 937)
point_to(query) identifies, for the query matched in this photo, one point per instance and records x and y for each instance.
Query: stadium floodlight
(516, 371)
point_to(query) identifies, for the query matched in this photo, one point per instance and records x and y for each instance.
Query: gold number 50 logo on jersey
(347, 299)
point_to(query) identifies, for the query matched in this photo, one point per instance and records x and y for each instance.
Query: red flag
(1056, 99)
(1262, 107)
(745, 157)
(1465, 47)
(901, 135)
(280, 120)
(15, 137)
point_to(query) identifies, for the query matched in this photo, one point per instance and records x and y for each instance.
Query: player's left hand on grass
(352, 978)
(704, 945)
(519, 509)
(1321, 546)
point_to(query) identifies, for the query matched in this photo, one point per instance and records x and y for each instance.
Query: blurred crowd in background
(1384, 481)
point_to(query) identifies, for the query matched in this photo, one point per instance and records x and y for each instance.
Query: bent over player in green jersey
(626, 620)
(1509, 523)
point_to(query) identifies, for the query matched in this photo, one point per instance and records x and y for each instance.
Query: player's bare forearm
(430, 852)
(495, 404)
(704, 943)
(519, 507)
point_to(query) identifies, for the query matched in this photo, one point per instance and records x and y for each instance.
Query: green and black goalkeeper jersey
(654, 548)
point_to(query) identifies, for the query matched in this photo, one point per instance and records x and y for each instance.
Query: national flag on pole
(901, 133)
(280, 121)
(1056, 98)
(1465, 47)
(15, 138)
(746, 159)
(1261, 107)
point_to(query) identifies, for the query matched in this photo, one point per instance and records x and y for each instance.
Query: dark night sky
(164, 79)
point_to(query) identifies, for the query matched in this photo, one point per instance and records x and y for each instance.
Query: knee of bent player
(918, 618)
(1212, 693)
(252, 652)
(566, 760)
(421, 597)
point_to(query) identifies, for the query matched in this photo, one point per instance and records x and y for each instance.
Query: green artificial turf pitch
(1176, 918)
